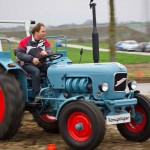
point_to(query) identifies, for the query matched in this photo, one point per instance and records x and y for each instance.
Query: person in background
(29, 52)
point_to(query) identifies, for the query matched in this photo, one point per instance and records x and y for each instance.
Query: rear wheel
(139, 128)
(11, 106)
(47, 122)
(82, 125)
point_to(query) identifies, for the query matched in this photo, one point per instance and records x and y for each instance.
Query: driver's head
(39, 31)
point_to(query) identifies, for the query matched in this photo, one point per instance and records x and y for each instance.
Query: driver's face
(41, 34)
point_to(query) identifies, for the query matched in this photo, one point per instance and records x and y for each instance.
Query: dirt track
(139, 72)
(32, 137)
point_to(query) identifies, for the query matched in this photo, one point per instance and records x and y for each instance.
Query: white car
(130, 45)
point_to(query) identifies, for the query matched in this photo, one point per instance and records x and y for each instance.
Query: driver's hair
(37, 28)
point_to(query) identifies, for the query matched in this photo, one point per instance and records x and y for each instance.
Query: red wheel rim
(79, 126)
(47, 118)
(2, 105)
(137, 125)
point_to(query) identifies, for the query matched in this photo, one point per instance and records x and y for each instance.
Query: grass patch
(87, 57)
(132, 58)
(74, 55)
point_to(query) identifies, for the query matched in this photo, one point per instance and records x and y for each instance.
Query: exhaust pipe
(95, 36)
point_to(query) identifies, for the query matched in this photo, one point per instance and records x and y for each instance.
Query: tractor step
(34, 103)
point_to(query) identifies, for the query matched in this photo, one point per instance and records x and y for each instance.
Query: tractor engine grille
(120, 80)
(77, 84)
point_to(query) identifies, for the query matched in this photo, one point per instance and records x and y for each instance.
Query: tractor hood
(58, 73)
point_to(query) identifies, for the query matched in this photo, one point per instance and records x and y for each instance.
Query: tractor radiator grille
(120, 80)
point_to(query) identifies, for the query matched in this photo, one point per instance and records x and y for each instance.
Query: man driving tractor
(29, 52)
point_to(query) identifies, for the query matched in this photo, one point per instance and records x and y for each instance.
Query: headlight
(11, 65)
(103, 87)
(121, 66)
(132, 85)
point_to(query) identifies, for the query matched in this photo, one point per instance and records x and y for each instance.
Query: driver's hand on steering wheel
(35, 61)
(43, 53)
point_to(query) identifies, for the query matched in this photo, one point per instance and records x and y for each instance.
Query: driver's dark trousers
(35, 71)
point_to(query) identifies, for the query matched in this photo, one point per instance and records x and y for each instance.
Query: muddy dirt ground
(139, 72)
(144, 67)
(31, 137)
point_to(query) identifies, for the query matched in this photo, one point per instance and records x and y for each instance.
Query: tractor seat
(25, 72)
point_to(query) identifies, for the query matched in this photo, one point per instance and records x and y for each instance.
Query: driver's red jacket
(29, 48)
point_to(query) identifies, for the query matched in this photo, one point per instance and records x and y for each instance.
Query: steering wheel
(50, 57)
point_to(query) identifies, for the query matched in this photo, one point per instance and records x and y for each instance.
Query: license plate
(116, 119)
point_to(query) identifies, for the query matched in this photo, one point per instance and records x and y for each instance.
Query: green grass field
(87, 57)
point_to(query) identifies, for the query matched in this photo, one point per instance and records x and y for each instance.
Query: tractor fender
(72, 99)
(8, 64)
(19, 74)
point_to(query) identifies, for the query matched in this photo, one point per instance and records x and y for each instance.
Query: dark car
(142, 47)
(147, 47)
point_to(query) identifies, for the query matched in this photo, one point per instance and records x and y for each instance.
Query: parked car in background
(130, 45)
(147, 47)
(142, 47)
(118, 45)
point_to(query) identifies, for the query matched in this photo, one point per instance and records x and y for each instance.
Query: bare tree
(147, 21)
(112, 25)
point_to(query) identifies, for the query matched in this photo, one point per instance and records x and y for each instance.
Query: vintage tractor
(76, 100)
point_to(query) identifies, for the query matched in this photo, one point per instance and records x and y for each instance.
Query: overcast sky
(57, 12)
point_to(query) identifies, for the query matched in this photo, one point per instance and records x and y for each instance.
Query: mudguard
(15, 69)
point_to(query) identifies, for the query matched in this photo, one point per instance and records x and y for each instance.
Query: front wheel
(139, 128)
(82, 125)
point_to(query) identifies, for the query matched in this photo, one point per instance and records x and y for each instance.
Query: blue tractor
(76, 100)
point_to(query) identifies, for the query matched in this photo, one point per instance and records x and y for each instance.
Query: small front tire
(82, 125)
(138, 129)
